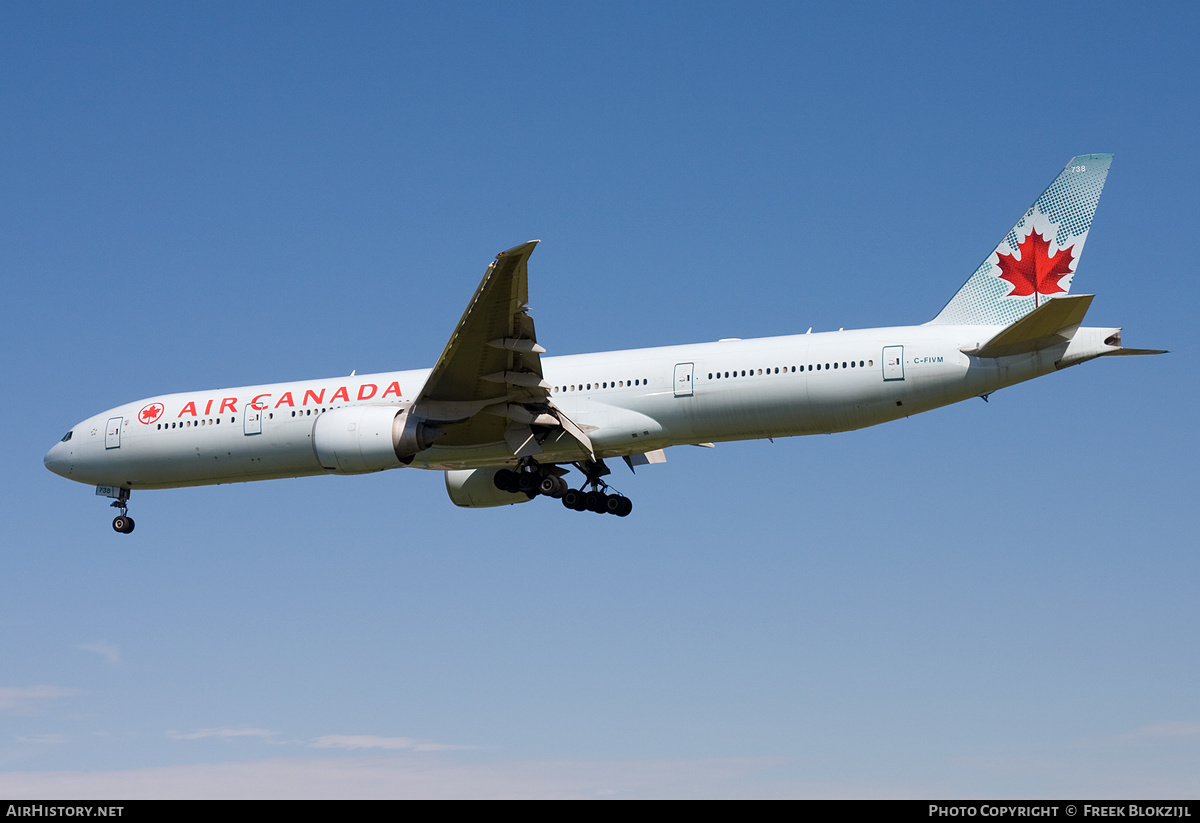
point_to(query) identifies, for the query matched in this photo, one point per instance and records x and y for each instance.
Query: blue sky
(986, 600)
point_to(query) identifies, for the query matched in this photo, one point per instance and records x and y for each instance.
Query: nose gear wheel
(122, 523)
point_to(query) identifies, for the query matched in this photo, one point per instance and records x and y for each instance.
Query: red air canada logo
(1037, 272)
(150, 413)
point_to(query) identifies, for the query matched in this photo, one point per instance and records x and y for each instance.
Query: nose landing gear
(122, 523)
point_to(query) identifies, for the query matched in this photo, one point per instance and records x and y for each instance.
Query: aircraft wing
(487, 386)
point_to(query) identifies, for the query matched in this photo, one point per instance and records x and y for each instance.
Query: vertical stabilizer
(1036, 260)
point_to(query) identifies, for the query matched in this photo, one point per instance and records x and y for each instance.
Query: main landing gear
(598, 501)
(122, 523)
(534, 479)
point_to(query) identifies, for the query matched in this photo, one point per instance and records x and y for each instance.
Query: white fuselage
(629, 402)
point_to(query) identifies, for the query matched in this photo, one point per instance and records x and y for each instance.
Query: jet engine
(476, 489)
(360, 439)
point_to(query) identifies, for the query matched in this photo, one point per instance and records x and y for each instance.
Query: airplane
(506, 424)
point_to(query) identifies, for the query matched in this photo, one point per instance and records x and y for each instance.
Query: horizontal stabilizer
(1050, 324)
(1114, 339)
(1123, 352)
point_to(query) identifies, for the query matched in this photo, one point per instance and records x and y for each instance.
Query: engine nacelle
(476, 489)
(360, 439)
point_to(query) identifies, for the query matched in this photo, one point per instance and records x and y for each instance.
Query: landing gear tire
(552, 486)
(615, 504)
(575, 500)
(123, 524)
(505, 480)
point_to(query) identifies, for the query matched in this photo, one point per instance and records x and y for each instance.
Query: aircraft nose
(57, 459)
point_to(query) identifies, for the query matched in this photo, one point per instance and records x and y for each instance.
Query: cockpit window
(67, 436)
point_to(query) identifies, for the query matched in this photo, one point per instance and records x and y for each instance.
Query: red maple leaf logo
(1037, 272)
(150, 413)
